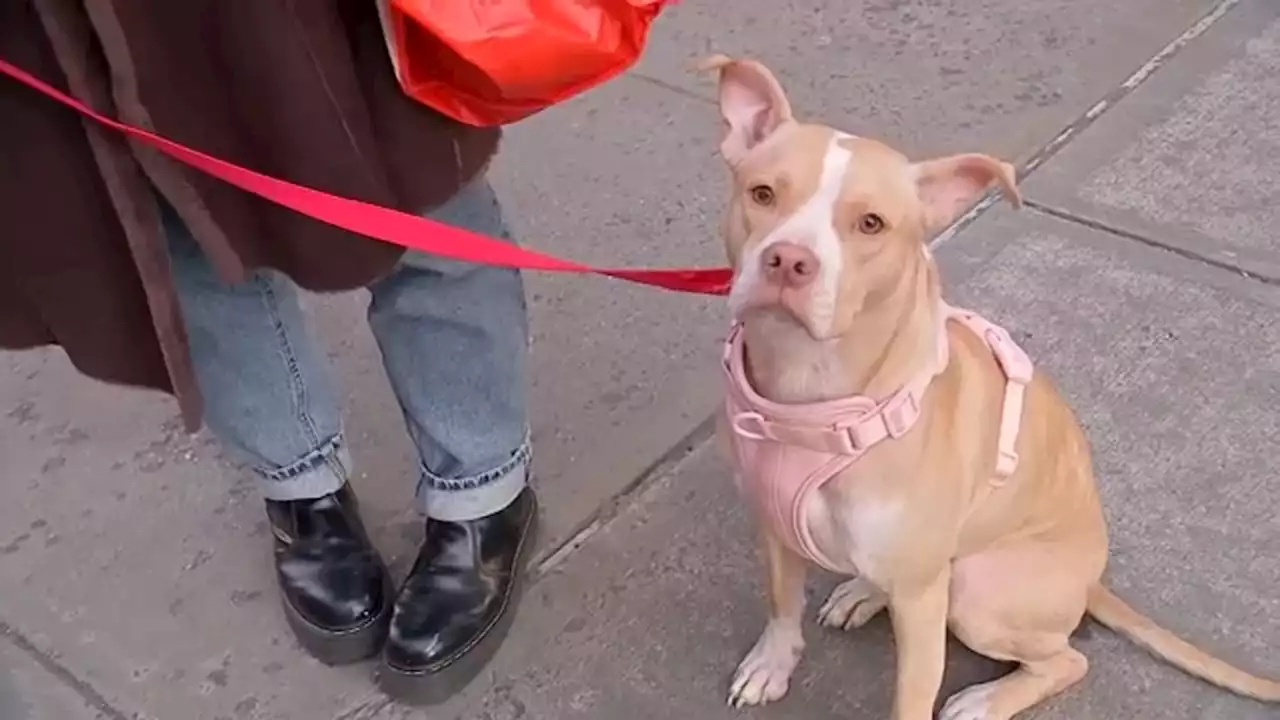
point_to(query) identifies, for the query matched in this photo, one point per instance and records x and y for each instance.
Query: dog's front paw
(852, 604)
(765, 673)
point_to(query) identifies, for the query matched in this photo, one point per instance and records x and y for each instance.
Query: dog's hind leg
(1018, 604)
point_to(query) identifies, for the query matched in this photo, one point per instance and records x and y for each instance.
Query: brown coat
(300, 89)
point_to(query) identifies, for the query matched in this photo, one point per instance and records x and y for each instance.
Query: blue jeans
(453, 339)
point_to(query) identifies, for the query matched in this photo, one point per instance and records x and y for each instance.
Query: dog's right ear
(751, 101)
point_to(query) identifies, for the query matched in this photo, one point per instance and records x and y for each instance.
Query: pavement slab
(998, 76)
(648, 619)
(136, 558)
(1188, 160)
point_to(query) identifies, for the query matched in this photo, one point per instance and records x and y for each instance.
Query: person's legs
(269, 398)
(454, 338)
(454, 341)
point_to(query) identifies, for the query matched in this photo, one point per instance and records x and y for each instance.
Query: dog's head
(822, 224)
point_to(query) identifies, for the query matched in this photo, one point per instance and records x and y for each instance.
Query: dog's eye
(762, 195)
(870, 224)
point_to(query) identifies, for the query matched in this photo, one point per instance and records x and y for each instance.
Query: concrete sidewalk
(135, 577)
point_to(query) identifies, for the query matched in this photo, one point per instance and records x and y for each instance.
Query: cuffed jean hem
(477, 496)
(318, 473)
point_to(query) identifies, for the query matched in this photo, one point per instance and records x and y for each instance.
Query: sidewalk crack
(91, 696)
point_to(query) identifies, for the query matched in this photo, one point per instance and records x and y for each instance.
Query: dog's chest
(860, 533)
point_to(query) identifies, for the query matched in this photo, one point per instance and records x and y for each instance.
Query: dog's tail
(1116, 614)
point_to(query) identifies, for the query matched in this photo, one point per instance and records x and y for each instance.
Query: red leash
(385, 224)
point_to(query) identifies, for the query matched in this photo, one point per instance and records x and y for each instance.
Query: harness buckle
(900, 414)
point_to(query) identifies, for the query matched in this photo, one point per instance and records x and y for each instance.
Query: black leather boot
(456, 606)
(336, 591)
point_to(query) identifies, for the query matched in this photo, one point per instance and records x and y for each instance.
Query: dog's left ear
(948, 186)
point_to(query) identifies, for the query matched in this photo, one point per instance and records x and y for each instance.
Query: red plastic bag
(493, 62)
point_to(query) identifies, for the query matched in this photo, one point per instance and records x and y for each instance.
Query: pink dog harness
(787, 451)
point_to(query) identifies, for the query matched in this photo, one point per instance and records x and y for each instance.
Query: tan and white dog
(836, 296)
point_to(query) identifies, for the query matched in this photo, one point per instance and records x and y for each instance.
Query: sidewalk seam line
(1071, 217)
(87, 693)
(684, 92)
(553, 557)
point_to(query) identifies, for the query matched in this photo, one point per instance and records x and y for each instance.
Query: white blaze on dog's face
(821, 223)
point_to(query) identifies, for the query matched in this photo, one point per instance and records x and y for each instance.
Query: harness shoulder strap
(1018, 370)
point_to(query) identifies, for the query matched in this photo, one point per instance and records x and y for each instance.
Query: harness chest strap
(831, 436)
(868, 423)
